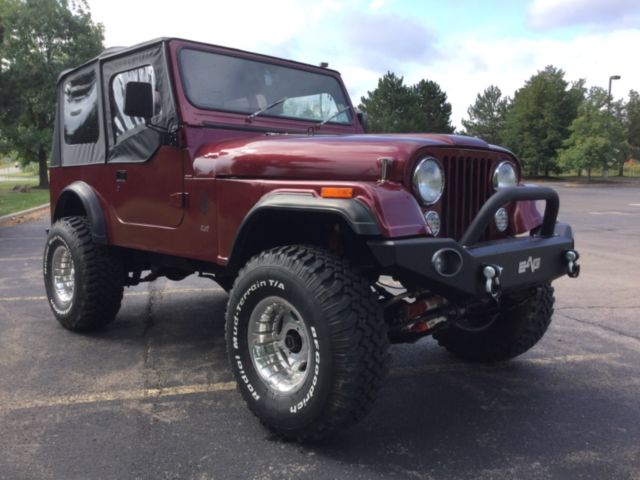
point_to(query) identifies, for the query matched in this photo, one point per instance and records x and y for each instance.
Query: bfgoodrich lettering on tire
(306, 341)
(84, 281)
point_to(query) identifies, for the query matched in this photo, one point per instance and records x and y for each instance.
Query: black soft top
(117, 51)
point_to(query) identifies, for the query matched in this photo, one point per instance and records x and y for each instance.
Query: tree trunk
(588, 174)
(621, 171)
(43, 173)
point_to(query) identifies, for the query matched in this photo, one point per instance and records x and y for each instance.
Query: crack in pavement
(155, 295)
(602, 327)
(593, 307)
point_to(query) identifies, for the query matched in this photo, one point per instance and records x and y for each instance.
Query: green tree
(597, 136)
(432, 112)
(539, 117)
(394, 107)
(388, 106)
(38, 40)
(487, 116)
(632, 124)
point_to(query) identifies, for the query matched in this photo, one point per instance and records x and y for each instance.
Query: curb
(23, 212)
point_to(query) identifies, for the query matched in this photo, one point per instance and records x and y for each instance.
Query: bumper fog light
(447, 262)
(433, 222)
(502, 219)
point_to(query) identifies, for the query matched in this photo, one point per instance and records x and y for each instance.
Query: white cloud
(363, 42)
(241, 23)
(355, 37)
(376, 4)
(548, 14)
(509, 62)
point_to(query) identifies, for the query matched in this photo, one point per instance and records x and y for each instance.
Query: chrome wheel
(279, 345)
(63, 276)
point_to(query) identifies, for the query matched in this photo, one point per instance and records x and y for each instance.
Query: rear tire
(84, 281)
(518, 326)
(306, 341)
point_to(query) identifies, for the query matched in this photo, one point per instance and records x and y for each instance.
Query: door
(145, 172)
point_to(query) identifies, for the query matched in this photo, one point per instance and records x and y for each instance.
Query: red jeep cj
(175, 157)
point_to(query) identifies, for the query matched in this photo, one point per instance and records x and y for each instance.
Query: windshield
(220, 82)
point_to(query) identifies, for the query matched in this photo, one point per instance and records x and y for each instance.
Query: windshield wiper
(264, 109)
(339, 112)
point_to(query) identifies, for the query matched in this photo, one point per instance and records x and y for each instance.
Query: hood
(320, 157)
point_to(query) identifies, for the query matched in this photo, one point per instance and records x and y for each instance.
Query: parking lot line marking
(612, 212)
(172, 291)
(18, 259)
(9, 405)
(592, 357)
(20, 299)
(130, 294)
(99, 397)
(20, 239)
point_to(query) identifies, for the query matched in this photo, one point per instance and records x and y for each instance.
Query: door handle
(121, 175)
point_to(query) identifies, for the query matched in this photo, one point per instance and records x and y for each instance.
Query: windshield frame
(233, 116)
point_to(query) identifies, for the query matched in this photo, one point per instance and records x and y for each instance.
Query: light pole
(605, 170)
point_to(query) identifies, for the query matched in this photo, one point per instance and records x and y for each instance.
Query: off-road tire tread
(513, 333)
(358, 335)
(99, 299)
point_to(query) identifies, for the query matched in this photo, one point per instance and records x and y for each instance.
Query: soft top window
(123, 123)
(132, 139)
(220, 82)
(80, 109)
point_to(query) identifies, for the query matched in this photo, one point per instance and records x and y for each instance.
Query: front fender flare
(355, 214)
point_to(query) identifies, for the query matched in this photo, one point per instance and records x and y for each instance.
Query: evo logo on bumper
(529, 263)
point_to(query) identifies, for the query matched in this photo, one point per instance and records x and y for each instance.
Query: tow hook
(492, 280)
(571, 257)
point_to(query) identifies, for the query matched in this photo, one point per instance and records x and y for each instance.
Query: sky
(464, 45)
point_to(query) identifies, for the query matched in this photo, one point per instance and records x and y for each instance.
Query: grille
(467, 188)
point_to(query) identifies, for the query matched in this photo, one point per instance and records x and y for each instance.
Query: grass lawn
(11, 202)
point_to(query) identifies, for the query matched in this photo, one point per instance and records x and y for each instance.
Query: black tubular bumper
(458, 269)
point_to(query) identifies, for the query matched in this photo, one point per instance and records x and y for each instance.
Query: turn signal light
(336, 192)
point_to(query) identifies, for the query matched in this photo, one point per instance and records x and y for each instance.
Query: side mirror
(363, 118)
(138, 100)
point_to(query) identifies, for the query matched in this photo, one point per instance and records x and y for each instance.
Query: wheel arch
(302, 215)
(80, 199)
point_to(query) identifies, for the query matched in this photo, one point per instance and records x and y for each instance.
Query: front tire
(84, 281)
(306, 342)
(518, 325)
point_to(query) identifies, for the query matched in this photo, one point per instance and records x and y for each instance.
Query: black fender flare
(91, 205)
(355, 214)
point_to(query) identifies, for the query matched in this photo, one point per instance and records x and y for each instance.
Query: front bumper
(517, 262)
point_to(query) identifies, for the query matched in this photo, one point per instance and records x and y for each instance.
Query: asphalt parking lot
(152, 397)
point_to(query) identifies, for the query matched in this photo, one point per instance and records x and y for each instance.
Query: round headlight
(505, 175)
(428, 180)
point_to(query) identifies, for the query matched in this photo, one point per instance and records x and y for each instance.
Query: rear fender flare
(82, 192)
